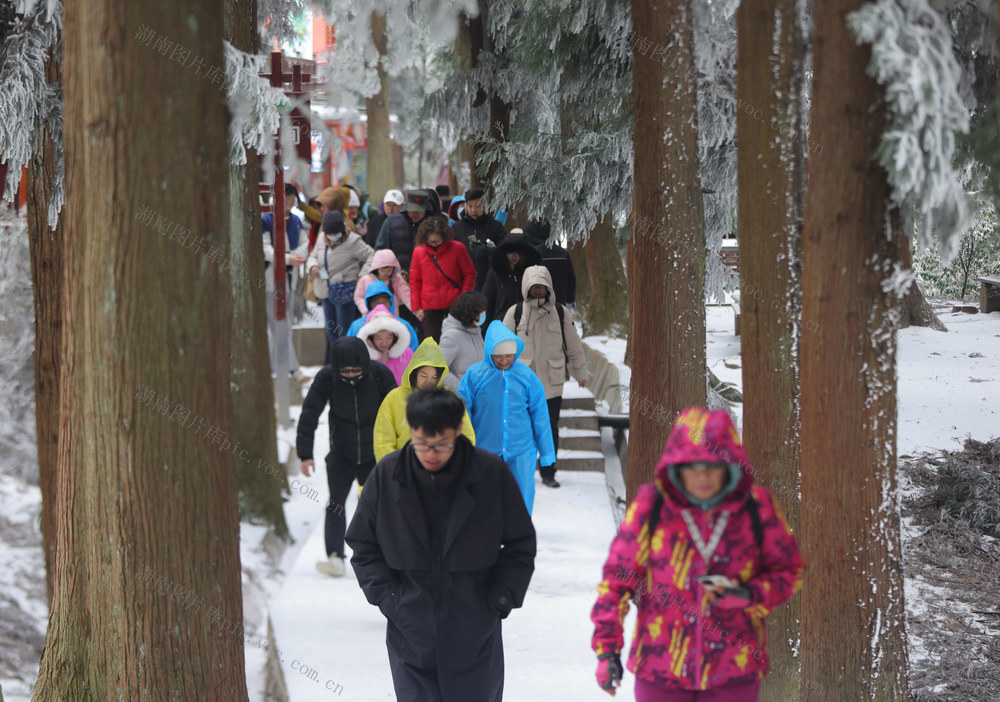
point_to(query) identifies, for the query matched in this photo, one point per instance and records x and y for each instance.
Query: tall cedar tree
(770, 163)
(253, 425)
(147, 595)
(46, 246)
(600, 277)
(666, 253)
(853, 635)
(380, 162)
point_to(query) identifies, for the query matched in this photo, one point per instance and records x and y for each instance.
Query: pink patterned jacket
(680, 640)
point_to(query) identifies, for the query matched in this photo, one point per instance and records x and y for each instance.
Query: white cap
(505, 347)
(394, 196)
(354, 201)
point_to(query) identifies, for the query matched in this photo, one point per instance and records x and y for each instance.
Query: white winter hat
(354, 201)
(394, 196)
(505, 347)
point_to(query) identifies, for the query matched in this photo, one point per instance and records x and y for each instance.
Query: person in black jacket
(478, 230)
(556, 259)
(444, 547)
(355, 386)
(503, 282)
(399, 230)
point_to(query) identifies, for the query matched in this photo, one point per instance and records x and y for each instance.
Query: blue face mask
(482, 318)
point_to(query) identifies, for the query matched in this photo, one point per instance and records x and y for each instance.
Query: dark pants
(432, 323)
(646, 691)
(338, 318)
(555, 405)
(340, 475)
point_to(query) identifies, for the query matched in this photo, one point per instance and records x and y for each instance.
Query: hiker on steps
(552, 348)
(706, 556)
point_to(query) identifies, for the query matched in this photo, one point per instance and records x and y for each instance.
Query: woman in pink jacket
(387, 340)
(706, 556)
(384, 267)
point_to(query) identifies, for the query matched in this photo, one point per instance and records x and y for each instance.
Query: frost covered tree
(147, 579)
(771, 163)
(666, 251)
(853, 634)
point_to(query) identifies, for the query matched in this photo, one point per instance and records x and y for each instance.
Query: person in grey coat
(461, 337)
(444, 547)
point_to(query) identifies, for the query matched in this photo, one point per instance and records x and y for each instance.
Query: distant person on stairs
(354, 386)
(552, 347)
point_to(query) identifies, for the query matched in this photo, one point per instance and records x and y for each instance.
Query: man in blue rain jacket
(506, 402)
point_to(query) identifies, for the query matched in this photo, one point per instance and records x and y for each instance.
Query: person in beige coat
(552, 347)
(335, 264)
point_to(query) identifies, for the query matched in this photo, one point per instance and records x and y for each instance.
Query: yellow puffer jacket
(391, 430)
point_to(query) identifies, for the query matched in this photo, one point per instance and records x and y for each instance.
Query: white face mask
(334, 238)
(482, 318)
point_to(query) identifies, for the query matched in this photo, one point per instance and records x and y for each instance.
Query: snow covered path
(327, 625)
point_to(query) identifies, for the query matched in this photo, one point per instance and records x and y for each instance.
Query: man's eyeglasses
(438, 449)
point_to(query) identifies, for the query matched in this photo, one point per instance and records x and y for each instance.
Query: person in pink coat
(387, 340)
(706, 555)
(384, 267)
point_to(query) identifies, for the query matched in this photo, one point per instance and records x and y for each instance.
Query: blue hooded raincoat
(509, 411)
(380, 288)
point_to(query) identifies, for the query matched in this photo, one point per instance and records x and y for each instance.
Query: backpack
(751, 507)
(519, 308)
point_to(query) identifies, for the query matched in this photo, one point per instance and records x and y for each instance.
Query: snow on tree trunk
(253, 425)
(666, 251)
(47, 246)
(380, 162)
(915, 310)
(147, 601)
(853, 636)
(770, 163)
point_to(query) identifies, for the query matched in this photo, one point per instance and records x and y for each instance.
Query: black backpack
(519, 308)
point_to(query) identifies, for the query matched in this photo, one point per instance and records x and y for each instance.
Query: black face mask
(351, 381)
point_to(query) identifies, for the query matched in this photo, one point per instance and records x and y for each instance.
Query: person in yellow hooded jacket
(426, 370)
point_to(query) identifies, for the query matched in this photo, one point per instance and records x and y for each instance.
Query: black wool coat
(444, 597)
(503, 283)
(475, 233)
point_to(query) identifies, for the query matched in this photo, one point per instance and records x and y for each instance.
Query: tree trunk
(147, 603)
(853, 634)
(254, 427)
(477, 42)
(600, 278)
(770, 173)
(666, 251)
(46, 246)
(915, 310)
(380, 159)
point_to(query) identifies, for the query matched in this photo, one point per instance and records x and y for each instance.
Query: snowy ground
(947, 387)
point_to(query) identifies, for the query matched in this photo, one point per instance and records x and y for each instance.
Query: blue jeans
(338, 318)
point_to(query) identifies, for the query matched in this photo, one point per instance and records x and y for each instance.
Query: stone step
(579, 403)
(592, 461)
(578, 419)
(579, 439)
(310, 345)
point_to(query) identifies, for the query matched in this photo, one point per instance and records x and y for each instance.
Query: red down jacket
(429, 289)
(680, 640)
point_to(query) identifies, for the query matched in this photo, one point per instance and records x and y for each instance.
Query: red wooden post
(277, 79)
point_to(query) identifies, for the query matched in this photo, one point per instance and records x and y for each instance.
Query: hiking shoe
(332, 566)
(550, 482)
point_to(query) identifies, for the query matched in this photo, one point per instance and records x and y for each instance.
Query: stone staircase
(579, 436)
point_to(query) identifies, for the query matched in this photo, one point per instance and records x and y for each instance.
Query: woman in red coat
(440, 271)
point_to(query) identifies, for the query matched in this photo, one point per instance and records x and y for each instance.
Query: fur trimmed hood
(380, 319)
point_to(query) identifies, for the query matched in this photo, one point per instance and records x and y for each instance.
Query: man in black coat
(477, 230)
(355, 386)
(399, 230)
(444, 547)
(503, 282)
(556, 259)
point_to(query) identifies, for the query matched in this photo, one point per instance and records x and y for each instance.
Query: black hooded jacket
(474, 233)
(556, 259)
(353, 405)
(398, 233)
(503, 283)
